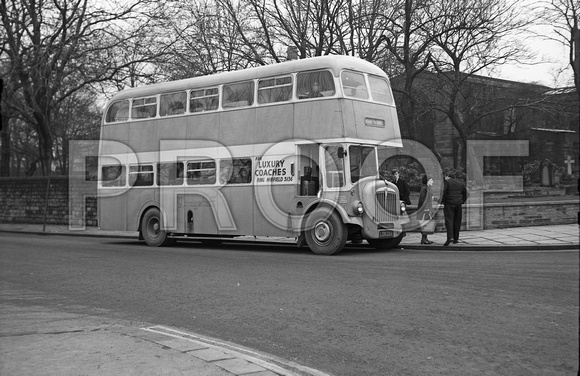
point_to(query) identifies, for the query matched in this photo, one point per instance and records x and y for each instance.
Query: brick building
(495, 109)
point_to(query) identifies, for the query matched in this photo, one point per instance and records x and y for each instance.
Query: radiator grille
(386, 206)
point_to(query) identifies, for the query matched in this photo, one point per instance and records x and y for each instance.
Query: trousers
(453, 214)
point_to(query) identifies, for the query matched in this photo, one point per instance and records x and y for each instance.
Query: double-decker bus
(284, 150)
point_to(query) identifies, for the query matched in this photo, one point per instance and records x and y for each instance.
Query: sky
(552, 69)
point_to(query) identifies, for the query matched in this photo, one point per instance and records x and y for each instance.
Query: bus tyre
(386, 243)
(152, 229)
(325, 232)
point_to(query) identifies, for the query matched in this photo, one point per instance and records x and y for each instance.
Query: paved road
(365, 312)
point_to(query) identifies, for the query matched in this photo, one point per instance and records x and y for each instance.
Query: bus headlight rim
(358, 208)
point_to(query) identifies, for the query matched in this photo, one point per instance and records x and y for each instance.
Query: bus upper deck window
(204, 100)
(277, 89)
(315, 84)
(144, 108)
(353, 85)
(118, 111)
(238, 95)
(172, 104)
(380, 90)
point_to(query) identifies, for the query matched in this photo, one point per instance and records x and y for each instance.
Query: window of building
(353, 85)
(141, 175)
(316, 84)
(238, 95)
(236, 171)
(118, 111)
(201, 172)
(204, 100)
(277, 89)
(172, 104)
(113, 176)
(380, 90)
(170, 173)
(144, 108)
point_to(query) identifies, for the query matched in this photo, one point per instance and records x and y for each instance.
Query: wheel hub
(154, 226)
(322, 232)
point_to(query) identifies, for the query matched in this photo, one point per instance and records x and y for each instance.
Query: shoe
(455, 241)
(425, 242)
(447, 243)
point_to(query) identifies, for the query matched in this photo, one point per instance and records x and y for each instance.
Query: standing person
(404, 191)
(454, 196)
(425, 205)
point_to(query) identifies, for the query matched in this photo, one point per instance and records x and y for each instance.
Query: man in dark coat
(404, 191)
(454, 196)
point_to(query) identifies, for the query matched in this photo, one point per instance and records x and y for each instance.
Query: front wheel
(386, 243)
(325, 232)
(152, 229)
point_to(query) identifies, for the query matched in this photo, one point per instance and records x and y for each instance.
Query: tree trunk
(5, 153)
(45, 146)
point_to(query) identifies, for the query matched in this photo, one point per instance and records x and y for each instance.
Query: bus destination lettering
(272, 171)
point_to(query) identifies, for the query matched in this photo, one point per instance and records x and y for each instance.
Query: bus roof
(333, 62)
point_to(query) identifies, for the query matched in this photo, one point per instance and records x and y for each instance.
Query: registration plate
(385, 234)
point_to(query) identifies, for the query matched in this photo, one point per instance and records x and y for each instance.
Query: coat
(404, 191)
(454, 192)
(425, 203)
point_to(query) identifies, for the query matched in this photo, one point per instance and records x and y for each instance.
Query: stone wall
(23, 200)
(537, 213)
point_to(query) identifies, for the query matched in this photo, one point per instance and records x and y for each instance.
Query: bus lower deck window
(141, 175)
(201, 173)
(113, 176)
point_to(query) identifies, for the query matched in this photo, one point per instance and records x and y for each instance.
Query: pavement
(41, 339)
(522, 238)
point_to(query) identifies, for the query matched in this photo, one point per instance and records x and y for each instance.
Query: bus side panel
(143, 136)
(196, 214)
(239, 206)
(137, 199)
(374, 122)
(276, 117)
(112, 212)
(117, 132)
(203, 127)
(274, 221)
(318, 119)
(237, 128)
(174, 130)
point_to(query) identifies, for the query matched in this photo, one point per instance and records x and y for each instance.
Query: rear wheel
(386, 243)
(152, 229)
(325, 233)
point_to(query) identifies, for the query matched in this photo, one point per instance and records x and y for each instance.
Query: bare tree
(54, 49)
(471, 37)
(562, 16)
(409, 36)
